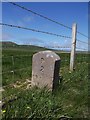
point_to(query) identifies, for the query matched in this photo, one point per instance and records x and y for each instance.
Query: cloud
(30, 41)
(9, 37)
(60, 43)
(18, 22)
(6, 36)
(28, 18)
(81, 46)
(23, 21)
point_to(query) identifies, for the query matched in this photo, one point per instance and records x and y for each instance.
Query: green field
(69, 100)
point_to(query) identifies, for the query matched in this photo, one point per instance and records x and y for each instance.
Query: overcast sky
(63, 12)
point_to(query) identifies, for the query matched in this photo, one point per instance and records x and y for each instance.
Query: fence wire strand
(59, 46)
(44, 32)
(82, 49)
(34, 30)
(15, 70)
(29, 10)
(83, 42)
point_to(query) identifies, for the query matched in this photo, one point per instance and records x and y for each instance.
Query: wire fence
(19, 66)
(34, 30)
(49, 33)
(16, 67)
(51, 20)
(41, 31)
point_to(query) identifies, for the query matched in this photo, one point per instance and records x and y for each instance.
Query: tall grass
(70, 99)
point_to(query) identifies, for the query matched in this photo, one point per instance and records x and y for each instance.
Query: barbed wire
(82, 34)
(45, 18)
(59, 46)
(22, 7)
(83, 42)
(34, 30)
(29, 10)
(17, 56)
(81, 48)
(15, 70)
(25, 68)
(82, 58)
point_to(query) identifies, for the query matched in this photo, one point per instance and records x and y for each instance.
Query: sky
(63, 12)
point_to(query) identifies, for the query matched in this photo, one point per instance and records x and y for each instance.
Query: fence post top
(74, 24)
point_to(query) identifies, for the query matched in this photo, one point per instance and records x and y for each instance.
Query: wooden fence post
(13, 66)
(73, 47)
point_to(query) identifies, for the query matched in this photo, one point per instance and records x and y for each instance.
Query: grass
(69, 100)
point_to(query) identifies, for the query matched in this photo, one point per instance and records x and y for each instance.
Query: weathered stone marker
(45, 69)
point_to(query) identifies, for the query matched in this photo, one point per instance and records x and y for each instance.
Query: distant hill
(8, 44)
(14, 46)
(32, 47)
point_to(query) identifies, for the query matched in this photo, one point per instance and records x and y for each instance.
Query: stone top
(48, 54)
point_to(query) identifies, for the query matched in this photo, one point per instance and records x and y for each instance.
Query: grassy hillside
(70, 100)
(8, 45)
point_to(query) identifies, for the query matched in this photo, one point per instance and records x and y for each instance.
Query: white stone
(45, 69)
